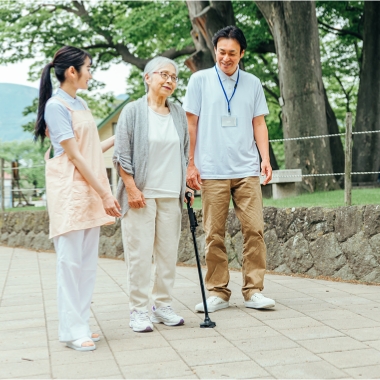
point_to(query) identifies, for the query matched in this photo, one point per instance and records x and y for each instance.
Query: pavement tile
(311, 333)
(364, 334)
(268, 314)
(241, 370)
(284, 356)
(315, 370)
(16, 355)
(67, 356)
(20, 315)
(373, 343)
(24, 368)
(141, 343)
(172, 369)
(188, 333)
(146, 356)
(322, 315)
(252, 344)
(340, 343)
(247, 321)
(293, 323)
(354, 358)
(246, 332)
(352, 323)
(367, 372)
(40, 376)
(86, 370)
(208, 343)
(352, 300)
(22, 324)
(217, 355)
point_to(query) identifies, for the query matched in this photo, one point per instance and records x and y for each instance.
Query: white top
(58, 118)
(225, 152)
(164, 173)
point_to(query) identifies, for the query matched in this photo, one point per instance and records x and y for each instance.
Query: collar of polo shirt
(224, 76)
(66, 96)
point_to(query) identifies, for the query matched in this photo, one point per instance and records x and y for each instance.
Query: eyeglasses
(166, 76)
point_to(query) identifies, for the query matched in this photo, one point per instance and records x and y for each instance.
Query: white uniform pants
(77, 255)
(152, 230)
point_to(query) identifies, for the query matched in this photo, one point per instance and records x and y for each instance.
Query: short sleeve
(58, 119)
(193, 98)
(260, 103)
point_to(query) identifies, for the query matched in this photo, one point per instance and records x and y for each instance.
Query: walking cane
(208, 323)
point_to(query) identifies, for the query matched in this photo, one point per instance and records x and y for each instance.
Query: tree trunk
(366, 150)
(295, 31)
(336, 146)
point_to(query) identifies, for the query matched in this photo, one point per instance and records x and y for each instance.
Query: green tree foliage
(30, 157)
(341, 41)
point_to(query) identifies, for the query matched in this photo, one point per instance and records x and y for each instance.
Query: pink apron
(72, 203)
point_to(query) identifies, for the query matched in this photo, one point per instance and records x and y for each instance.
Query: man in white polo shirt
(225, 110)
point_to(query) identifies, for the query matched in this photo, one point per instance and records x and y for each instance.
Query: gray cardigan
(132, 145)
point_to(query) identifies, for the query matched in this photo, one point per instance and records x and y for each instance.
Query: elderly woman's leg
(138, 227)
(168, 229)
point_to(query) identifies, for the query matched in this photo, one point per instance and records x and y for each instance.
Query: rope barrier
(320, 136)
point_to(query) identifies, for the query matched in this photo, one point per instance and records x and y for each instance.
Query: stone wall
(342, 242)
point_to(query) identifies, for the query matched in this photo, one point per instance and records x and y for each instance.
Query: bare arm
(107, 144)
(110, 204)
(193, 177)
(260, 131)
(135, 196)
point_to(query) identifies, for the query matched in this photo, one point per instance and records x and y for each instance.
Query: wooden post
(2, 186)
(348, 161)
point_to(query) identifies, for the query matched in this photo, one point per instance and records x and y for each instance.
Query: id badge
(229, 121)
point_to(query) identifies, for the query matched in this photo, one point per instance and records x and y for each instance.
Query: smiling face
(160, 86)
(85, 74)
(228, 55)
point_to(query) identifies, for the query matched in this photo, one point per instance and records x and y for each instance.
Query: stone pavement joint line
(319, 329)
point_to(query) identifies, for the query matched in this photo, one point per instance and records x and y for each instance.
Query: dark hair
(64, 58)
(230, 32)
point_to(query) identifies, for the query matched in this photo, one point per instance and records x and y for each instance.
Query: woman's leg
(90, 251)
(168, 229)
(138, 226)
(69, 263)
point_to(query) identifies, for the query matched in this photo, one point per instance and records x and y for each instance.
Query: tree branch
(342, 32)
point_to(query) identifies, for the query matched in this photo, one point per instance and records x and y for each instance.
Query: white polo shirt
(225, 152)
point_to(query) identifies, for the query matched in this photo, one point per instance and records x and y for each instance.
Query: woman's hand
(136, 198)
(111, 205)
(192, 196)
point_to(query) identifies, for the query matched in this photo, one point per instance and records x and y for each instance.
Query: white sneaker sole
(213, 308)
(262, 305)
(135, 329)
(155, 319)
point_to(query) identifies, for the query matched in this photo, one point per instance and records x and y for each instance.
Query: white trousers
(77, 256)
(151, 231)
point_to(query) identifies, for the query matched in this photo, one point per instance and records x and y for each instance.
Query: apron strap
(64, 103)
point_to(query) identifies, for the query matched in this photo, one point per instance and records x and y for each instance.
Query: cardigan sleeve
(123, 152)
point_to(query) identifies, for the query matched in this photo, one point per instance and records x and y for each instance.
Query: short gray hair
(156, 64)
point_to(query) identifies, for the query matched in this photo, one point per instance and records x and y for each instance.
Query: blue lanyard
(225, 94)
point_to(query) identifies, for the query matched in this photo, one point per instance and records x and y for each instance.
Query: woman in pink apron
(78, 192)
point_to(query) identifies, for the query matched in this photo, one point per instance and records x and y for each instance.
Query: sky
(114, 77)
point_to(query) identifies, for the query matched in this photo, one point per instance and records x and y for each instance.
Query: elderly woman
(151, 149)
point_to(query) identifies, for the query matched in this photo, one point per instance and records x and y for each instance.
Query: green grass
(320, 199)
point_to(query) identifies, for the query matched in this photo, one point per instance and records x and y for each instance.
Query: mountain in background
(13, 100)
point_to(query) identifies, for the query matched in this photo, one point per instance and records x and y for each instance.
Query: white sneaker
(140, 322)
(258, 301)
(214, 303)
(166, 315)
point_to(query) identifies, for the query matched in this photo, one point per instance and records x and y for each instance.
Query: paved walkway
(319, 329)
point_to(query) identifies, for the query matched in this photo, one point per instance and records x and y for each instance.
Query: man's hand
(192, 196)
(136, 198)
(266, 170)
(193, 178)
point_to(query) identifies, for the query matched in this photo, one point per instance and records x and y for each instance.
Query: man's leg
(216, 197)
(247, 199)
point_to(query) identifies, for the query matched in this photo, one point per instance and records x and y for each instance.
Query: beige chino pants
(151, 231)
(247, 200)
